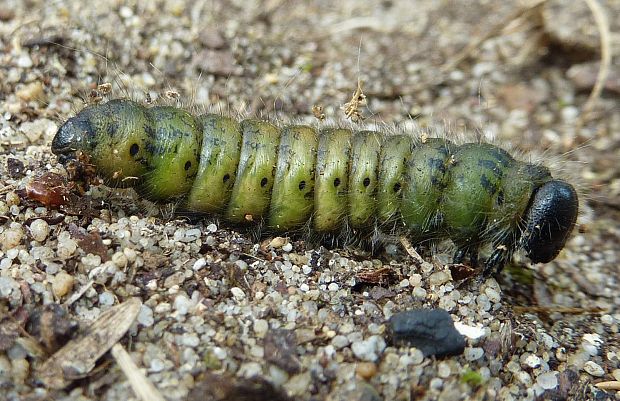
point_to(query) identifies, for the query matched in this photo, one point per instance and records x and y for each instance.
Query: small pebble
(199, 264)
(106, 298)
(548, 380)
(182, 304)
(11, 238)
(278, 242)
(443, 370)
(157, 365)
(39, 229)
(417, 356)
(260, 327)
(20, 369)
(439, 278)
(120, 260)
(368, 350)
(237, 293)
(62, 283)
(145, 316)
(593, 369)
(340, 341)
(473, 354)
(532, 361)
(366, 370)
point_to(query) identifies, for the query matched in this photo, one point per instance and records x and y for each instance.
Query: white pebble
(199, 264)
(145, 316)
(237, 293)
(211, 228)
(417, 356)
(415, 280)
(11, 238)
(66, 248)
(260, 327)
(24, 61)
(419, 293)
(443, 370)
(472, 354)
(607, 319)
(532, 361)
(182, 304)
(250, 369)
(548, 380)
(39, 229)
(593, 369)
(287, 247)
(120, 260)
(492, 294)
(125, 12)
(333, 287)
(157, 365)
(220, 353)
(106, 299)
(130, 254)
(190, 340)
(370, 349)
(340, 341)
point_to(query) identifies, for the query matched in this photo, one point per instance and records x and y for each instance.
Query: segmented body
(329, 179)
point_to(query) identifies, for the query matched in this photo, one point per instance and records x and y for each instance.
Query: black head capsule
(70, 137)
(550, 219)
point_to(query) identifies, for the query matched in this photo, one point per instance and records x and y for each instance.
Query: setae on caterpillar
(252, 171)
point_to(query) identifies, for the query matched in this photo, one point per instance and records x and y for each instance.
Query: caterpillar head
(70, 137)
(550, 219)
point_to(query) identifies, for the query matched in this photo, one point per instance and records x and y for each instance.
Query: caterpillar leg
(461, 253)
(496, 262)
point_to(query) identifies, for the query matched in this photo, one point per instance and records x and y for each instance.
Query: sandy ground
(226, 317)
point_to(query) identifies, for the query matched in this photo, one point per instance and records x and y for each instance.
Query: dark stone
(430, 330)
(51, 326)
(15, 168)
(280, 349)
(212, 387)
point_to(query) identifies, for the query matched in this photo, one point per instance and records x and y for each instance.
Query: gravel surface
(225, 316)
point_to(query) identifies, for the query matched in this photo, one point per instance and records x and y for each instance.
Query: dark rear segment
(550, 219)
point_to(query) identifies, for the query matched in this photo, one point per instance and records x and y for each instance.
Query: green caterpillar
(253, 171)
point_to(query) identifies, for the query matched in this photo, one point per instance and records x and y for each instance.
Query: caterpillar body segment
(329, 179)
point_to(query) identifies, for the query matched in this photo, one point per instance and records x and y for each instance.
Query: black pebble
(429, 330)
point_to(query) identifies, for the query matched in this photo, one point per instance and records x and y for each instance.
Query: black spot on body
(264, 182)
(336, 182)
(188, 165)
(437, 164)
(302, 185)
(112, 128)
(500, 198)
(134, 149)
(487, 185)
(226, 177)
(396, 187)
(366, 181)
(492, 166)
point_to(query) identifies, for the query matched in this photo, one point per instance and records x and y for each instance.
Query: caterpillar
(252, 171)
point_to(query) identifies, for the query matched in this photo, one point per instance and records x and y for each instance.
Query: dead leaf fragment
(78, 357)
